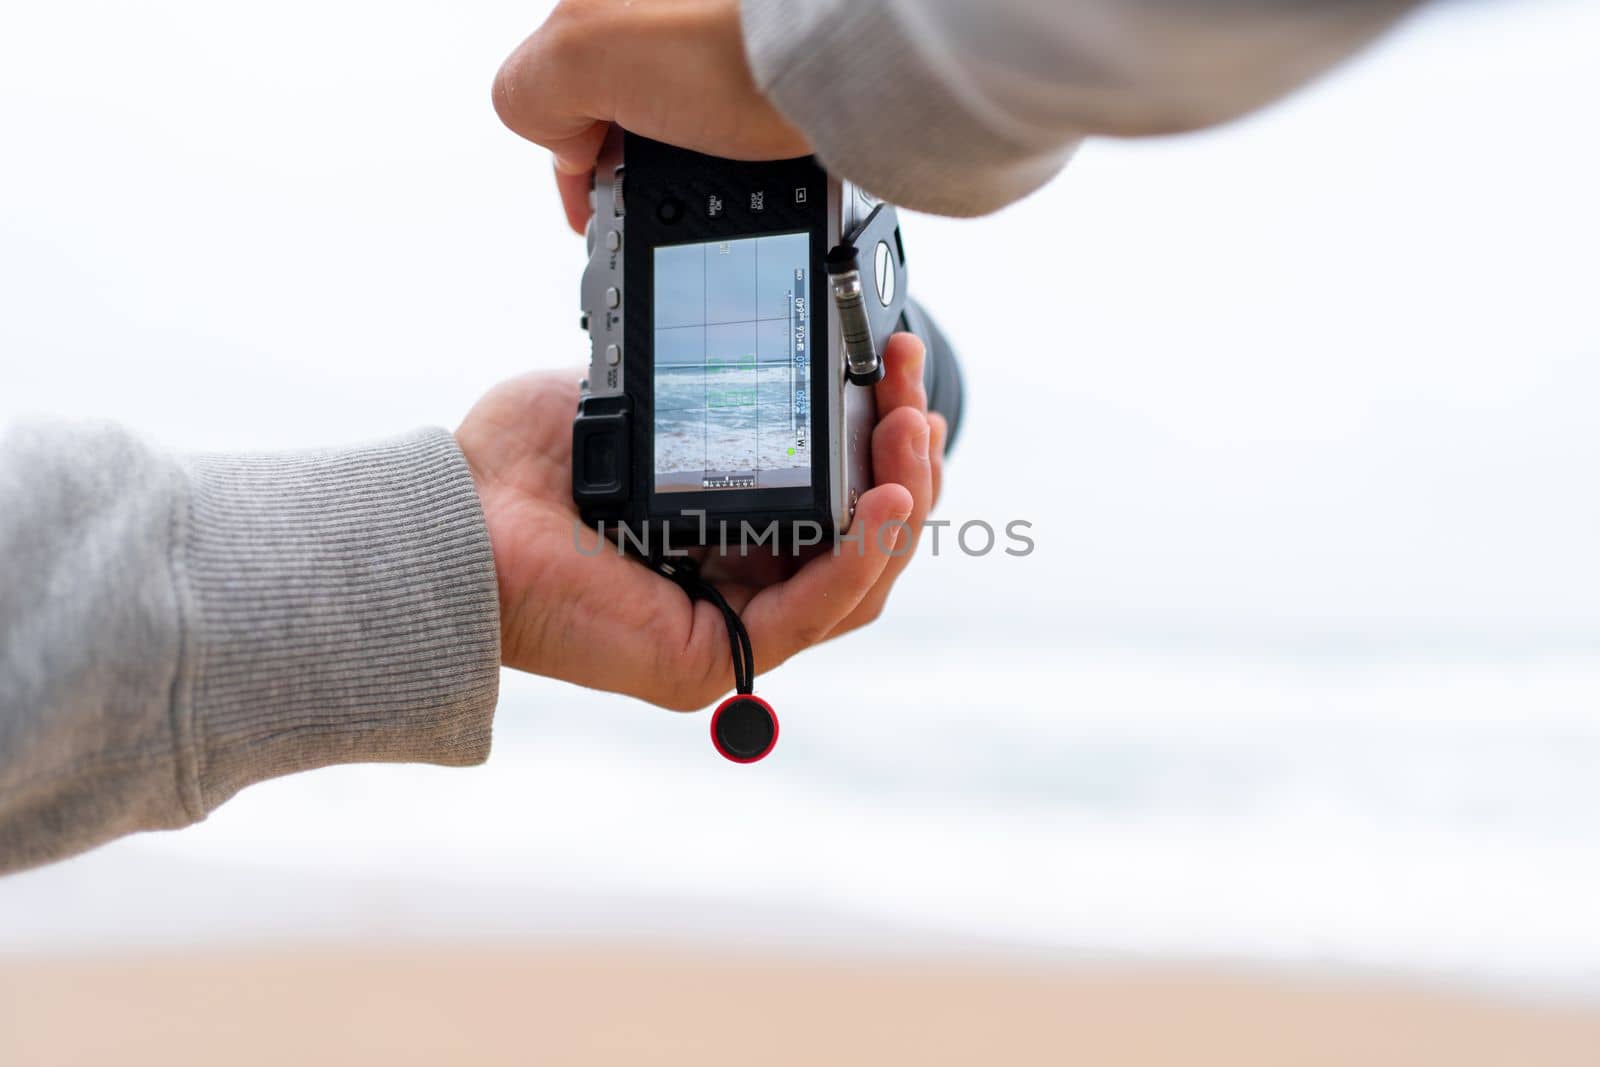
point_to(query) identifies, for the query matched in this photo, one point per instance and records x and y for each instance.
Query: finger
(540, 94)
(796, 614)
(552, 90)
(574, 189)
(941, 436)
(902, 439)
(903, 358)
(676, 653)
(902, 446)
(575, 156)
(901, 452)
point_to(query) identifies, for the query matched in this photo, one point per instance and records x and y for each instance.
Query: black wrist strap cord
(686, 573)
(744, 728)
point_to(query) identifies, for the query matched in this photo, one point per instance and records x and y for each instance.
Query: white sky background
(1329, 374)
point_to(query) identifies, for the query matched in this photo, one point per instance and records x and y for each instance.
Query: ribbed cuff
(882, 109)
(340, 607)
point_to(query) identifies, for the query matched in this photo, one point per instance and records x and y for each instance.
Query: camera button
(613, 355)
(613, 240)
(613, 298)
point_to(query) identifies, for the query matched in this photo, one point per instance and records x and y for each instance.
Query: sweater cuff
(339, 606)
(866, 85)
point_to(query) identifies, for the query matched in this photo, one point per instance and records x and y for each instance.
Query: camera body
(718, 403)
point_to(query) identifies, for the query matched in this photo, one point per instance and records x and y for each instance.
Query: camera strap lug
(869, 312)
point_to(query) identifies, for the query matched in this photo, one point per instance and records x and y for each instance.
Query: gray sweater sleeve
(174, 629)
(963, 106)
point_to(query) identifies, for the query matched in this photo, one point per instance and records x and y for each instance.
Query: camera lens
(670, 211)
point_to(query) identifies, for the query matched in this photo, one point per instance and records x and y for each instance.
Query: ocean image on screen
(733, 364)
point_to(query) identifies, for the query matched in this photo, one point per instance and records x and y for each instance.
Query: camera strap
(685, 572)
(744, 728)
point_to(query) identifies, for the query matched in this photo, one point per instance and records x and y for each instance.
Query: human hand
(672, 70)
(601, 620)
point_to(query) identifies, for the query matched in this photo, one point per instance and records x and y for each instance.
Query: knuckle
(504, 93)
(532, 77)
(810, 633)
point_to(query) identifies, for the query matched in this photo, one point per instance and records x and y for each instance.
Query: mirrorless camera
(737, 314)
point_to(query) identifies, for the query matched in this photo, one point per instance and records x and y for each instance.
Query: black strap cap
(744, 728)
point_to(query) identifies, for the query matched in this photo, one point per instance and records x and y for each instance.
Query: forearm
(175, 630)
(960, 107)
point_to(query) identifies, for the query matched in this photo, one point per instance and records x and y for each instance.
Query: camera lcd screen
(733, 364)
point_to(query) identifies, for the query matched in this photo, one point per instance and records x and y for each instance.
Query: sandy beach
(613, 1006)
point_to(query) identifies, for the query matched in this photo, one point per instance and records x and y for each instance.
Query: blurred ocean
(1433, 819)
